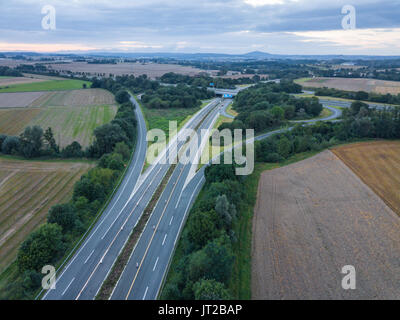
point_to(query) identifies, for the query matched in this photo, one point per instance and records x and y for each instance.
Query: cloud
(232, 26)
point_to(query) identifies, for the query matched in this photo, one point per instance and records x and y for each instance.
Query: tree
(123, 150)
(201, 228)
(107, 136)
(210, 290)
(122, 96)
(214, 261)
(63, 215)
(51, 142)
(74, 150)
(41, 248)
(226, 211)
(31, 141)
(284, 147)
(10, 145)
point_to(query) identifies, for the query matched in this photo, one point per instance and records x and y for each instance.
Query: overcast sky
(218, 26)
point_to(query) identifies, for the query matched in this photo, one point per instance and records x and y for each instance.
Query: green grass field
(74, 124)
(54, 85)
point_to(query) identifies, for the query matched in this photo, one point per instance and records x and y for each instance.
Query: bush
(10, 145)
(41, 248)
(63, 215)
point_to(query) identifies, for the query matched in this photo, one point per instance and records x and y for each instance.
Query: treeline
(266, 106)
(33, 142)
(138, 84)
(359, 122)
(8, 72)
(206, 81)
(360, 95)
(204, 269)
(181, 96)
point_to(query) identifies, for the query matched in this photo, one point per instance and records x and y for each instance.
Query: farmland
(73, 115)
(27, 190)
(74, 124)
(8, 81)
(152, 70)
(52, 85)
(349, 84)
(74, 98)
(311, 219)
(20, 99)
(378, 165)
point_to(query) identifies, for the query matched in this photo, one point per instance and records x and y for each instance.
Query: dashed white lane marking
(87, 259)
(68, 286)
(145, 293)
(171, 220)
(165, 237)
(155, 265)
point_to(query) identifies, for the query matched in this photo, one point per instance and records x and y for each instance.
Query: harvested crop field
(74, 124)
(347, 84)
(73, 98)
(17, 80)
(152, 70)
(20, 99)
(14, 121)
(313, 218)
(69, 124)
(28, 189)
(378, 165)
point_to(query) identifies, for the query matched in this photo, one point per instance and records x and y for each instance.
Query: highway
(142, 278)
(145, 271)
(90, 265)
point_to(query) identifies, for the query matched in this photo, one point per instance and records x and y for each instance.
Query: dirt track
(311, 219)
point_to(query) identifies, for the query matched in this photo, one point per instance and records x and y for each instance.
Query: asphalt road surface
(145, 271)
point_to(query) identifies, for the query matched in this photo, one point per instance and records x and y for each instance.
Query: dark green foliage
(31, 142)
(63, 215)
(41, 248)
(10, 145)
(269, 105)
(50, 141)
(122, 96)
(181, 96)
(210, 290)
(74, 150)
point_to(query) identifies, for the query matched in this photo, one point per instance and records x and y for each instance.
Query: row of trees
(181, 96)
(360, 95)
(205, 81)
(359, 122)
(8, 72)
(32, 142)
(266, 106)
(205, 266)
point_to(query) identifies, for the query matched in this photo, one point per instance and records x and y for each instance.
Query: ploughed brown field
(314, 217)
(28, 189)
(347, 84)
